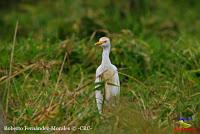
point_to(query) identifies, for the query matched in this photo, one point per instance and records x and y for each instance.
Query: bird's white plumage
(108, 73)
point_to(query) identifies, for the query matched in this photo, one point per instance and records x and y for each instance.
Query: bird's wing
(116, 87)
(98, 71)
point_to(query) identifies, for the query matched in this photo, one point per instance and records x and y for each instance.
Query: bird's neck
(105, 56)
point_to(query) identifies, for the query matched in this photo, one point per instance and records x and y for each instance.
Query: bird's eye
(104, 41)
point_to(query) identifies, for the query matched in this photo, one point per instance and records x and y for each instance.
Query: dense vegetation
(50, 79)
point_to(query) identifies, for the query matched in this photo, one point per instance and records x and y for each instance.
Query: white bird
(108, 73)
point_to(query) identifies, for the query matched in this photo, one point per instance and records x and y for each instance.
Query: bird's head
(104, 42)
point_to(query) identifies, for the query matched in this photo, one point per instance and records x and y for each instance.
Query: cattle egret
(107, 73)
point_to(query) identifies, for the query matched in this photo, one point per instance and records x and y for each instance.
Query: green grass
(155, 46)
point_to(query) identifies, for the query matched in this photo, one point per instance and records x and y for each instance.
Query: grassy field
(47, 69)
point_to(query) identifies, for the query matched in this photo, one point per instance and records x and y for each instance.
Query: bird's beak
(99, 43)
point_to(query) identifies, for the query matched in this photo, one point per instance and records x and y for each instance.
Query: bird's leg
(99, 100)
(99, 96)
(115, 100)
